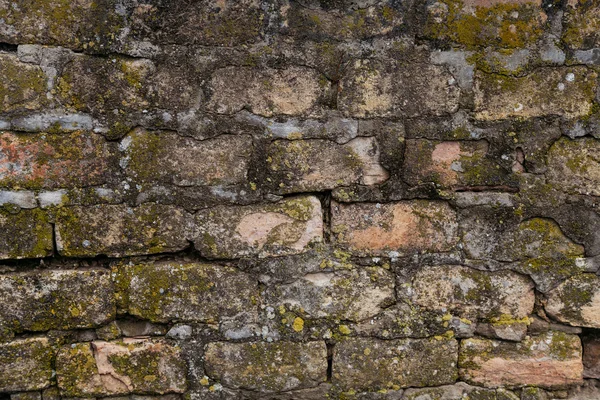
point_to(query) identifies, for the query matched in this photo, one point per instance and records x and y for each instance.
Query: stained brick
(23, 86)
(25, 364)
(574, 166)
(26, 234)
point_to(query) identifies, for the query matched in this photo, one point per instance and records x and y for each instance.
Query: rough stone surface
(576, 301)
(267, 367)
(118, 230)
(61, 299)
(552, 360)
(591, 359)
(25, 234)
(566, 92)
(25, 364)
(364, 364)
(573, 165)
(119, 368)
(286, 227)
(379, 229)
(174, 291)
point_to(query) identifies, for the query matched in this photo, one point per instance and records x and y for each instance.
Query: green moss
(22, 85)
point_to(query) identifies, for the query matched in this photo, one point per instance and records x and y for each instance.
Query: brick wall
(273, 199)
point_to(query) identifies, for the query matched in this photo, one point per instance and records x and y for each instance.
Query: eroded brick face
(273, 199)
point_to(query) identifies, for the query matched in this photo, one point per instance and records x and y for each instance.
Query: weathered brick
(322, 24)
(50, 160)
(582, 24)
(377, 89)
(314, 165)
(567, 92)
(451, 164)
(474, 23)
(82, 24)
(576, 301)
(26, 234)
(551, 360)
(118, 230)
(25, 364)
(372, 364)
(472, 293)
(267, 91)
(591, 357)
(152, 157)
(267, 367)
(60, 299)
(117, 368)
(286, 227)
(352, 295)
(173, 291)
(224, 23)
(406, 226)
(574, 166)
(23, 86)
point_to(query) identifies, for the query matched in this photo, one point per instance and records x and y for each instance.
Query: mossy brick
(373, 88)
(354, 294)
(205, 23)
(574, 166)
(289, 226)
(166, 291)
(167, 158)
(267, 367)
(563, 91)
(576, 301)
(315, 165)
(26, 364)
(128, 366)
(81, 25)
(373, 364)
(268, 91)
(119, 230)
(54, 160)
(56, 299)
(581, 24)
(23, 86)
(380, 20)
(452, 164)
(506, 24)
(474, 294)
(551, 360)
(399, 227)
(25, 234)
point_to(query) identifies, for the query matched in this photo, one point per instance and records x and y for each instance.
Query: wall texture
(246, 199)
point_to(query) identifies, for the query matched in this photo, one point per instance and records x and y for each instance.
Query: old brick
(26, 234)
(376, 89)
(574, 167)
(576, 301)
(321, 24)
(82, 24)
(173, 291)
(286, 227)
(567, 92)
(61, 299)
(315, 165)
(267, 367)
(23, 86)
(501, 23)
(117, 368)
(153, 157)
(474, 294)
(551, 360)
(51, 160)
(25, 364)
(451, 164)
(346, 295)
(372, 364)
(591, 357)
(582, 24)
(267, 92)
(118, 230)
(405, 226)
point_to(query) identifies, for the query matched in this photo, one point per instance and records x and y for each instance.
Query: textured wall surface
(273, 199)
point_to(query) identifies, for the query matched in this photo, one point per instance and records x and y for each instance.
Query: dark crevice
(11, 48)
(330, 349)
